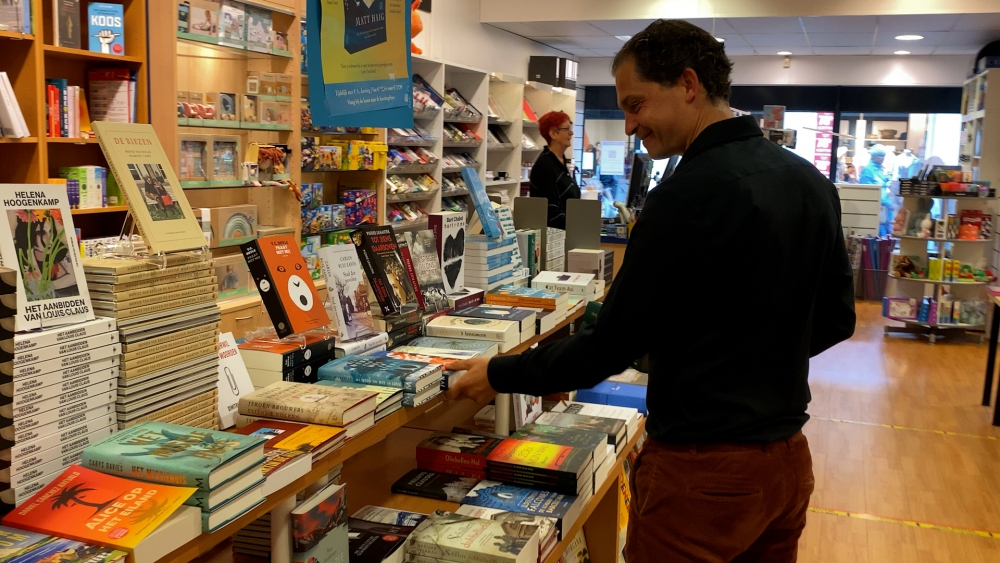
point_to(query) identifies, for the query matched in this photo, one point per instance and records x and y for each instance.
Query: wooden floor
(901, 474)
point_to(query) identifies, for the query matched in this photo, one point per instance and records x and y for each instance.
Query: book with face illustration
(38, 241)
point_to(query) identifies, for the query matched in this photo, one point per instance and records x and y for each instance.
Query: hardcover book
(524, 317)
(386, 395)
(93, 507)
(285, 285)
(69, 551)
(461, 450)
(273, 355)
(449, 236)
(282, 435)
(347, 288)
(613, 428)
(485, 349)
(565, 282)
(303, 402)
(390, 372)
(39, 242)
(493, 495)
(548, 526)
(628, 415)
(106, 27)
(381, 515)
(431, 484)
(319, 527)
(584, 439)
(381, 240)
(67, 26)
(427, 265)
(538, 458)
(152, 192)
(475, 329)
(173, 454)
(465, 539)
(380, 287)
(374, 542)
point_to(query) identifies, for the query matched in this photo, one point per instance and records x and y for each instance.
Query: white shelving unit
(544, 98)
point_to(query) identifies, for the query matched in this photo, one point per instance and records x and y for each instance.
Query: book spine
(23, 450)
(62, 367)
(145, 303)
(411, 272)
(10, 437)
(72, 347)
(268, 408)
(63, 108)
(378, 283)
(518, 301)
(461, 332)
(178, 350)
(197, 278)
(106, 458)
(201, 338)
(399, 337)
(45, 393)
(38, 478)
(27, 463)
(181, 410)
(53, 110)
(269, 296)
(149, 309)
(453, 470)
(154, 344)
(502, 472)
(173, 362)
(160, 291)
(406, 386)
(55, 403)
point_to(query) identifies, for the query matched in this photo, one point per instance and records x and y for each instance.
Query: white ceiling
(953, 34)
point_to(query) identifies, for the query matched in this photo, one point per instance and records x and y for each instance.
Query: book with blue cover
(500, 496)
(14, 542)
(173, 454)
(487, 215)
(106, 28)
(409, 376)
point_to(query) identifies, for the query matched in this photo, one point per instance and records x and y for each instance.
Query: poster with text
(613, 158)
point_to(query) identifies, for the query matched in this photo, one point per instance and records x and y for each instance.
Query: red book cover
(411, 272)
(457, 450)
(285, 285)
(538, 458)
(53, 110)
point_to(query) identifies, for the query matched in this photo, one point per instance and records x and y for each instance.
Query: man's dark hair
(663, 50)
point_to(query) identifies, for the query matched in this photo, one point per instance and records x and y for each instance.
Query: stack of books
(456, 454)
(505, 334)
(483, 348)
(168, 325)
(402, 327)
(446, 536)
(272, 359)
(387, 401)
(529, 242)
(553, 513)
(419, 381)
(291, 447)
(555, 250)
(437, 356)
(599, 262)
(350, 409)
(526, 318)
(614, 428)
(225, 468)
(580, 285)
(489, 263)
(378, 535)
(551, 467)
(57, 397)
(629, 416)
(364, 345)
(597, 442)
(436, 485)
(528, 297)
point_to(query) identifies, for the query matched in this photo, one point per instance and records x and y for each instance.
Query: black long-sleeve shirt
(550, 178)
(735, 274)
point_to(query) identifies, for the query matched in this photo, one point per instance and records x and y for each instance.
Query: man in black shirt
(736, 273)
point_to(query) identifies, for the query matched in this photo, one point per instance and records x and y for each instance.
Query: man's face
(661, 116)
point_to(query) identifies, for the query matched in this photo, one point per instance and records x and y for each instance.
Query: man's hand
(473, 384)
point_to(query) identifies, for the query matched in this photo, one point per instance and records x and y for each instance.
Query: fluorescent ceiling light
(909, 37)
(784, 53)
(720, 39)
(623, 37)
(901, 53)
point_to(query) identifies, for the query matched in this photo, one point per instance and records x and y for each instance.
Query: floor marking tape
(911, 523)
(897, 427)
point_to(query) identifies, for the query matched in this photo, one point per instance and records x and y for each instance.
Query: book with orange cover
(285, 284)
(529, 114)
(521, 457)
(295, 436)
(92, 507)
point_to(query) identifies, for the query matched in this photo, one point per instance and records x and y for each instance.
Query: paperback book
(381, 240)
(285, 286)
(427, 266)
(375, 542)
(454, 449)
(449, 236)
(347, 288)
(465, 539)
(302, 402)
(381, 290)
(106, 27)
(389, 372)
(431, 484)
(312, 439)
(494, 495)
(382, 515)
(319, 527)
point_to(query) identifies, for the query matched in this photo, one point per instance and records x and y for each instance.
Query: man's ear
(689, 78)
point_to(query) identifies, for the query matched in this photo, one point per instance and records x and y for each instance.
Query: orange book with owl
(285, 284)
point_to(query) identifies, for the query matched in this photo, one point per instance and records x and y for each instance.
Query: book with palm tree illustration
(37, 239)
(93, 507)
(177, 455)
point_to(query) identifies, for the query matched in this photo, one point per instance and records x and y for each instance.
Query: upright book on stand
(37, 239)
(151, 189)
(285, 286)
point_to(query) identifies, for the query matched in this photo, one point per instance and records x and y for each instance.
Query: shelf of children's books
(411, 196)
(72, 140)
(19, 140)
(230, 45)
(947, 240)
(92, 210)
(938, 282)
(936, 325)
(53, 51)
(16, 35)
(475, 119)
(413, 168)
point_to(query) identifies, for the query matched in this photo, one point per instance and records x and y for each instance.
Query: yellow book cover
(151, 189)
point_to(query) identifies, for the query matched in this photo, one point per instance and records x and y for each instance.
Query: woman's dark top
(551, 179)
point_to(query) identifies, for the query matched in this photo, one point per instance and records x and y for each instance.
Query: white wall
(459, 38)
(930, 70)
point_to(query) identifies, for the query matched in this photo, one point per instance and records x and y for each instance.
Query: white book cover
(449, 233)
(234, 381)
(39, 241)
(565, 282)
(477, 329)
(506, 217)
(347, 289)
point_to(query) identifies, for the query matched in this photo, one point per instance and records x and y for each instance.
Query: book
(39, 244)
(613, 428)
(319, 527)
(465, 539)
(12, 123)
(629, 416)
(315, 404)
(431, 484)
(576, 551)
(375, 542)
(94, 507)
(483, 348)
(449, 237)
(69, 551)
(14, 542)
(381, 515)
(565, 463)
(564, 509)
(311, 439)
(614, 393)
(475, 329)
(406, 316)
(274, 355)
(526, 408)
(390, 372)
(524, 317)
(526, 297)
(66, 31)
(566, 282)
(231, 510)
(427, 266)
(361, 345)
(175, 455)
(548, 526)
(454, 449)
(286, 288)
(347, 288)
(481, 201)
(152, 192)
(389, 282)
(106, 26)
(386, 396)
(585, 439)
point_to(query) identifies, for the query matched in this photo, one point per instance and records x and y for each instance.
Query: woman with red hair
(550, 178)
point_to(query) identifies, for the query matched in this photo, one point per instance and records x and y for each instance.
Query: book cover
(427, 265)
(152, 192)
(274, 355)
(462, 450)
(60, 550)
(379, 285)
(258, 29)
(303, 402)
(411, 272)
(431, 355)
(94, 507)
(612, 427)
(41, 247)
(523, 317)
(431, 484)
(106, 27)
(548, 526)
(539, 458)
(285, 286)
(381, 515)
(319, 527)
(584, 439)
(501, 496)
(381, 240)
(473, 328)
(449, 236)
(485, 349)
(14, 542)
(390, 372)
(385, 396)
(576, 551)
(481, 201)
(565, 282)
(67, 26)
(465, 539)
(373, 542)
(172, 454)
(284, 435)
(347, 288)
